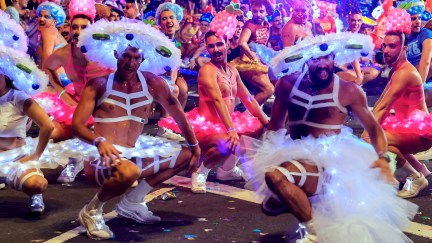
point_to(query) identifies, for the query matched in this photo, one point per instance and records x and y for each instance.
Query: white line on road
(79, 230)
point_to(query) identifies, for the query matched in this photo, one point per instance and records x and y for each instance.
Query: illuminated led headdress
(85, 7)
(99, 40)
(55, 10)
(346, 46)
(225, 22)
(12, 34)
(413, 6)
(22, 70)
(275, 14)
(207, 17)
(177, 10)
(398, 20)
(351, 6)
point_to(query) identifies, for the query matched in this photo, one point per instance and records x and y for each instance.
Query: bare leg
(262, 82)
(182, 91)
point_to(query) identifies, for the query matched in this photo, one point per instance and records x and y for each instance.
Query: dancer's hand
(385, 171)
(233, 140)
(193, 163)
(108, 153)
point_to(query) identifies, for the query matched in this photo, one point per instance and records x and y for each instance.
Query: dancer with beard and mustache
(332, 181)
(64, 30)
(408, 131)
(216, 124)
(60, 101)
(251, 69)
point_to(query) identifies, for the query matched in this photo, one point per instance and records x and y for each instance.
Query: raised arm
(425, 60)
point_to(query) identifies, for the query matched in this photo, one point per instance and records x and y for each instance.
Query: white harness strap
(303, 174)
(17, 173)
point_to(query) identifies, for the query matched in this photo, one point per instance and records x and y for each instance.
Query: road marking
(418, 229)
(79, 230)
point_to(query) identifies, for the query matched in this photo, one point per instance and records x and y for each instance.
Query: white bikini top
(315, 102)
(128, 97)
(13, 120)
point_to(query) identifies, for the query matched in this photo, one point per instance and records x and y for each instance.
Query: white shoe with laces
(71, 170)
(169, 134)
(235, 174)
(305, 234)
(198, 183)
(94, 224)
(138, 212)
(37, 204)
(413, 185)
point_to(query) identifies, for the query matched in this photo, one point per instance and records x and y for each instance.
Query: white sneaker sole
(423, 186)
(199, 190)
(87, 232)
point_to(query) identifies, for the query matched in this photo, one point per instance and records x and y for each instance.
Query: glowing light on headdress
(99, 40)
(175, 8)
(11, 33)
(22, 70)
(85, 7)
(413, 6)
(55, 10)
(368, 21)
(225, 22)
(206, 17)
(399, 20)
(346, 46)
(275, 14)
(351, 6)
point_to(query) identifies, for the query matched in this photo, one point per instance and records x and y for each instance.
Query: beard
(317, 81)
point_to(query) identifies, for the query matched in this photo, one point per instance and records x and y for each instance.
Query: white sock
(95, 204)
(230, 163)
(203, 170)
(407, 168)
(138, 193)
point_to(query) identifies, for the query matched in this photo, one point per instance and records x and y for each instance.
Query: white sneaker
(236, 174)
(306, 235)
(136, 211)
(37, 206)
(198, 183)
(425, 155)
(413, 186)
(94, 224)
(71, 170)
(2, 186)
(169, 134)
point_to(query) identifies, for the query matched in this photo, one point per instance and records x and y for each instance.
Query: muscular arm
(46, 126)
(243, 43)
(207, 77)
(84, 110)
(161, 93)
(359, 108)
(249, 101)
(51, 64)
(425, 60)
(48, 45)
(288, 35)
(279, 109)
(358, 72)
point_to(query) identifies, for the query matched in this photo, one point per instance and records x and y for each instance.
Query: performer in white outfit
(120, 104)
(335, 184)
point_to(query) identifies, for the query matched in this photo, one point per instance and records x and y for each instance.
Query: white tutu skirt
(48, 160)
(145, 147)
(355, 204)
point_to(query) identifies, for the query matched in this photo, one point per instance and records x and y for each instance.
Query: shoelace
(408, 184)
(200, 178)
(300, 230)
(36, 201)
(99, 221)
(68, 171)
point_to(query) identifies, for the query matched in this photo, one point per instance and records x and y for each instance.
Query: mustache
(75, 36)
(217, 53)
(64, 33)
